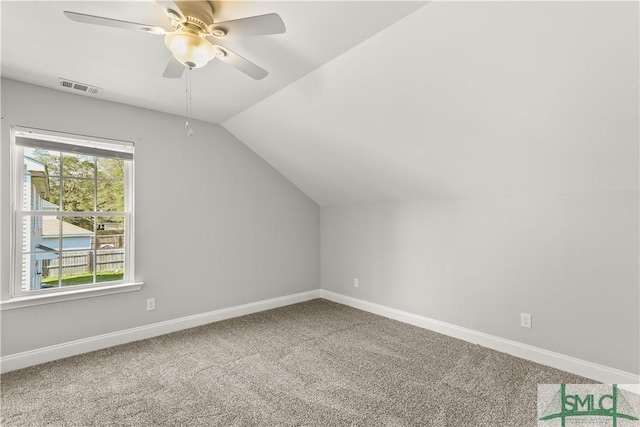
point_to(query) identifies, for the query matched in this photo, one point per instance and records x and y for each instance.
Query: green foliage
(110, 197)
(50, 159)
(78, 166)
(112, 169)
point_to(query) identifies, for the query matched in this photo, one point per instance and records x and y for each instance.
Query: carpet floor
(316, 363)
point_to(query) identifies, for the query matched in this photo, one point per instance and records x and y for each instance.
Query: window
(72, 200)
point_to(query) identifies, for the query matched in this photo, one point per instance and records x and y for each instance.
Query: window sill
(22, 302)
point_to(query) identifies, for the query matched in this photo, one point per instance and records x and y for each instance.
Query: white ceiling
(450, 100)
(464, 100)
(39, 45)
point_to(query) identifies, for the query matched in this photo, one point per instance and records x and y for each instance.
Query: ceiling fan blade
(242, 64)
(174, 69)
(260, 25)
(108, 22)
(172, 10)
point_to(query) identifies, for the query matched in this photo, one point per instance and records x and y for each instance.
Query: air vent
(80, 87)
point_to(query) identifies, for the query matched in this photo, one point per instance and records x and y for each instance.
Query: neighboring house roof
(34, 165)
(44, 248)
(51, 227)
(41, 183)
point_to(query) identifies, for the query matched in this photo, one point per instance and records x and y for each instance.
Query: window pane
(40, 193)
(110, 197)
(78, 165)
(37, 160)
(40, 233)
(110, 265)
(110, 233)
(51, 200)
(49, 240)
(39, 271)
(112, 169)
(77, 267)
(78, 195)
(31, 233)
(77, 232)
(41, 183)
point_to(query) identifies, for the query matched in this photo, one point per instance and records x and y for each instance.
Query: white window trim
(70, 295)
(16, 301)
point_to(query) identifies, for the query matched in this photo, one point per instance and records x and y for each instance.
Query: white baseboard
(72, 348)
(574, 365)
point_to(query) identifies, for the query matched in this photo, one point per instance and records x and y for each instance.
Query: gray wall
(216, 226)
(569, 260)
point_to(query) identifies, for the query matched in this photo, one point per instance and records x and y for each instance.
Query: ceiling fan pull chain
(187, 125)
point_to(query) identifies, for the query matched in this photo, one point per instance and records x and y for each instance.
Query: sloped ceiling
(463, 100)
(39, 45)
(371, 101)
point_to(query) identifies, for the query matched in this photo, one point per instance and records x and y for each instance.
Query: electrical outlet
(525, 320)
(356, 283)
(151, 304)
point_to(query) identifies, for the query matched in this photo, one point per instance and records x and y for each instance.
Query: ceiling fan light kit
(190, 49)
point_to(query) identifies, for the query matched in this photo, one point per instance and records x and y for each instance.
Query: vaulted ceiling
(464, 100)
(39, 45)
(383, 101)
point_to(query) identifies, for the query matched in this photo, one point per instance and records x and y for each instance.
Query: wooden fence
(115, 240)
(80, 262)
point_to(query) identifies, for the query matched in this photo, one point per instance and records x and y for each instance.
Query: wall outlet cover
(525, 320)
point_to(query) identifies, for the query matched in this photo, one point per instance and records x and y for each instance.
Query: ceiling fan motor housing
(198, 14)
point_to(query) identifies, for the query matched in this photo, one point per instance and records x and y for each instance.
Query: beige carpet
(311, 364)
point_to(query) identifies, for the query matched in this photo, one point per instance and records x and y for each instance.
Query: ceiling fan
(194, 26)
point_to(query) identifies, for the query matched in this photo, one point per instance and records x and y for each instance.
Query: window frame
(75, 144)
